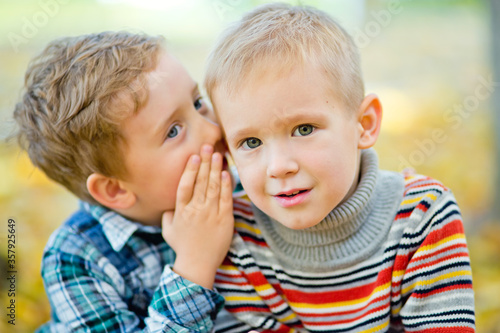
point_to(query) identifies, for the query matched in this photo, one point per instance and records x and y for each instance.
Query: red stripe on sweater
(345, 321)
(416, 181)
(401, 261)
(242, 206)
(446, 249)
(254, 241)
(402, 215)
(316, 297)
(451, 228)
(456, 329)
(414, 185)
(422, 207)
(435, 262)
(242, 308)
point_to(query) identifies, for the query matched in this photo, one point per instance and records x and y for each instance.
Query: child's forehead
(275, 73)
(288, 95)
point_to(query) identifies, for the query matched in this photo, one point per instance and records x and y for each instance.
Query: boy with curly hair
(119, 122)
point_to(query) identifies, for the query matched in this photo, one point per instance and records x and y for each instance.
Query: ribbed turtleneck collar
(351, 232)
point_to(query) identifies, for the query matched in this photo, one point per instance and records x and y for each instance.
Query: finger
(187, 182)
(226, 193)
(213, 189)
(200, 188)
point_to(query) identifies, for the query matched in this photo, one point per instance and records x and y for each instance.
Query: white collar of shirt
(116, 228)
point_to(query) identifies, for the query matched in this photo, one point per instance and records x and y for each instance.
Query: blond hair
(76, 93)
(282, 37)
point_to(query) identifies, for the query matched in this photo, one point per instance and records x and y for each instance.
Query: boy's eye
(303, 130)
(198, 103)
(251, 143)
(174, 131)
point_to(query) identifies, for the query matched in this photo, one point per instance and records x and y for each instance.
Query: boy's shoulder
(424, 199)
(417, 182)
(82, 238)
(421, 192)
(70, 237)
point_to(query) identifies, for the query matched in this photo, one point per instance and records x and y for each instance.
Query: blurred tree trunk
(495, 45)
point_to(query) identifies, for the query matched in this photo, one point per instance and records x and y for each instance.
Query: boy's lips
(292, 197)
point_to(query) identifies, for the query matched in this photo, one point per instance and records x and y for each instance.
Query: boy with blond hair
(120, 123)
(329, 243)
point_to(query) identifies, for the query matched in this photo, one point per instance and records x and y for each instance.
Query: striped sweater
(392, 258)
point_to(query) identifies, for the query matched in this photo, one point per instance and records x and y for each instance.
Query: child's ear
(369, 119)
(110, 192)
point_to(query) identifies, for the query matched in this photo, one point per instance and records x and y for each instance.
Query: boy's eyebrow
(309, 117)
(243, 133)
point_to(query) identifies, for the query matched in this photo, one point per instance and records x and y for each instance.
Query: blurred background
(431, 62)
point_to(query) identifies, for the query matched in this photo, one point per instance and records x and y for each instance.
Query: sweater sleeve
(435, 289)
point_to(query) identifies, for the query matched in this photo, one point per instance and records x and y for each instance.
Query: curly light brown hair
(76, 93)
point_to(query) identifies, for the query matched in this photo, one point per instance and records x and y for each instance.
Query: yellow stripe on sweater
(436, 279)
(242, 225)
(423, 249)
(413, 200)
(398, 273)
(263, 287)
(376, 328)
(290, 317)
(242, 298)
(228, 268)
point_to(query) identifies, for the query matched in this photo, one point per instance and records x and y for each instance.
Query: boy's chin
(296, 221)
(300, 226)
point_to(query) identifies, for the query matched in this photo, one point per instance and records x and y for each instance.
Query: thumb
(167, 218)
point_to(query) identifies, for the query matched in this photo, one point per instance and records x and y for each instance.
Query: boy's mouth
(292, 198)
(290, 194)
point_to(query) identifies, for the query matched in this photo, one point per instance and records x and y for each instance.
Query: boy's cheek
(250, 179)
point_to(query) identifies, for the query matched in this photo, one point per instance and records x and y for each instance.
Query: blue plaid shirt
(91, 290)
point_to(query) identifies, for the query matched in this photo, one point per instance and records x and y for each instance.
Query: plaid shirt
(88, 293)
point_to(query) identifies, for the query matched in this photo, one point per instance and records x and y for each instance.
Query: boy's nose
(210, 132)
(281, 163)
